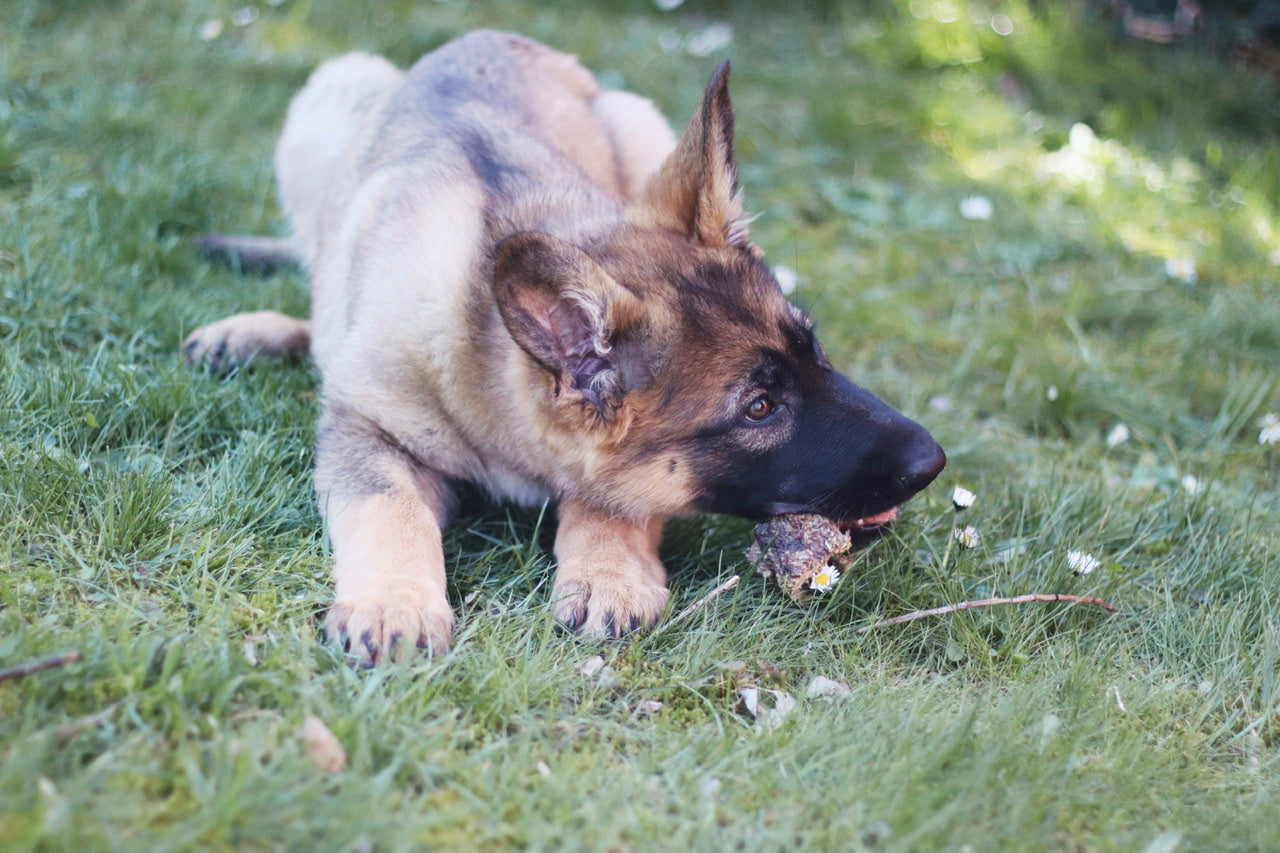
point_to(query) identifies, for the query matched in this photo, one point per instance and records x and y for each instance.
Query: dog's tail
(258, 255)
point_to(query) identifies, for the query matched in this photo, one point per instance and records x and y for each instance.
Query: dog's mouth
(871, 522)
(868, 524)
(869, 527)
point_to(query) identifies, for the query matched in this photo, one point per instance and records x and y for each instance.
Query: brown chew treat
(794, 548)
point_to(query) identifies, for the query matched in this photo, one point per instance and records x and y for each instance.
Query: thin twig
(697, 605)
(40, 664)
(986, 602)
(72, 729)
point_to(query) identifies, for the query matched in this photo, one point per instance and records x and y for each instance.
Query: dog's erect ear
(695, 191)
(563, 309)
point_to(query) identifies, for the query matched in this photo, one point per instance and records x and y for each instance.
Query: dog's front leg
(609, 581)
(385, 512)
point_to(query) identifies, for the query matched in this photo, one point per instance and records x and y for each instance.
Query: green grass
(161, 520)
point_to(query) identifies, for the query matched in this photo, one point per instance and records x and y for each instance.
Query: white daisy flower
(962, 498)
(966, 537)
(210, 29)
(1051, 393)
(824, 580)
(1183, 268)
(244, 16)
(707, 41)
(1270, 433)
(1191, 484)
(1119, 435)
(977, 208)
(1082, 562)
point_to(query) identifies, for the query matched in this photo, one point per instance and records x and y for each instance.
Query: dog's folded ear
(564, 310)
(695, 191)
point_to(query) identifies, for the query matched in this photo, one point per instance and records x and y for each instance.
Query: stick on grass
(697, 605)
(986, 602)
(40, 664)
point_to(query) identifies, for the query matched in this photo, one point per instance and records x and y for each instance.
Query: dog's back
(358, 113)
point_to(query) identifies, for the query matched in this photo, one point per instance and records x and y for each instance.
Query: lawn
(1058, 249)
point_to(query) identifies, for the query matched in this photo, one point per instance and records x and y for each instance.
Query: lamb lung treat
(803, 553)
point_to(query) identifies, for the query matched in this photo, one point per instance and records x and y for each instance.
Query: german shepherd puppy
(527, 283)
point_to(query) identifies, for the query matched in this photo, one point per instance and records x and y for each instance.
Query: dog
(525, 282)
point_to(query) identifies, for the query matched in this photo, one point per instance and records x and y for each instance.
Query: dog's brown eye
(761, 407)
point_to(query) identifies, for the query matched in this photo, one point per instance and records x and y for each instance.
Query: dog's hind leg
(385, 511)
(233, 341)
(610, 581)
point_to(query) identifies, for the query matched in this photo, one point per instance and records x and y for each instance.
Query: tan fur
(448, 346)
(325, 126)
(609, 579)
(237, 339)
(638, 133)
(396, 531)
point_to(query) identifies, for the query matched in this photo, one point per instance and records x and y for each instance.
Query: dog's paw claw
(602, 609)
(570, 606)
(372, 632)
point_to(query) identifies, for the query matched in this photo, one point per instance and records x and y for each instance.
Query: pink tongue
(883, 518)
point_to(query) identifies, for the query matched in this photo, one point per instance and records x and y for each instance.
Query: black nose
(924, 464)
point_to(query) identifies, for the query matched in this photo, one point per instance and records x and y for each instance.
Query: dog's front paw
(603, 605)
(375, 629)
